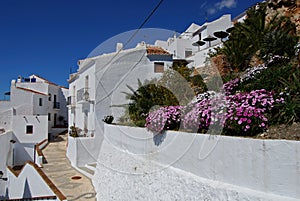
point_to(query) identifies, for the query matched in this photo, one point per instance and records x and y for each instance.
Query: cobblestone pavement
(60, 172)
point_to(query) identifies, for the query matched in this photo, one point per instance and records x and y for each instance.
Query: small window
(49, 116)
(49, 97)
(29, 129)
(69, 101)
(188, 52)
(40, 102)
(159, 67)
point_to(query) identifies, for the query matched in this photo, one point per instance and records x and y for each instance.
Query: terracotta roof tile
(32, 91)
(153, 50)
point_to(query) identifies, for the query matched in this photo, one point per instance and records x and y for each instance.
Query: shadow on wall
(158, 138)
(23, 152)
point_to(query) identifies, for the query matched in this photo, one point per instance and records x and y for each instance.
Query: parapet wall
(237, 168)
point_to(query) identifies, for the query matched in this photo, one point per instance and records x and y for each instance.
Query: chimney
(119, 47)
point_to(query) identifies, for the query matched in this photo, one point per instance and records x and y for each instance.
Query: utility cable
(127, 42)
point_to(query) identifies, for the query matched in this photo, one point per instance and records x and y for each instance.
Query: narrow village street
(74, 185)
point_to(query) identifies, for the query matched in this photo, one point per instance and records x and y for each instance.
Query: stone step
(91, 166)
(86, 171)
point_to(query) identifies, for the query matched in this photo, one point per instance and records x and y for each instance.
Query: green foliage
(278, 42)
(269, 79)
(74, 131)
(284, 80)
(174, 88)
(289, 111)
(145, 98)
(255, 35)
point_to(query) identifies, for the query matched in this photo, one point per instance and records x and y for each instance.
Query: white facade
(26, 120)
(35, 108)
(97, 87)
(183, 47)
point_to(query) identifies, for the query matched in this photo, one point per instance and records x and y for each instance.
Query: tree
(258, 37)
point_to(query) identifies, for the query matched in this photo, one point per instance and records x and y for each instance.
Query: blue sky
(48, 37)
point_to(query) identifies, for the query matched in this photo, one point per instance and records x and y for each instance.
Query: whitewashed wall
(40, 128)
(36, 86)
(82, 151)
(6, 113)
(23, 152)
(37, 108)
(107, 82)
(28, 184)
(6, 158)
(179, 163)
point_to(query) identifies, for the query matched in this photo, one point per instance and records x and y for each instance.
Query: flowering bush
(275, 59)
(230, 87)
(247, 112)
(201, 115)
(250, 73)
(165, 118)
(244, 113)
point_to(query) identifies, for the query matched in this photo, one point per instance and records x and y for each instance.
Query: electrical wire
(127, 42)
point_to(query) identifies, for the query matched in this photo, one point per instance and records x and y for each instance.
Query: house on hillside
(197, 41)
(35, 112)
(96, 91)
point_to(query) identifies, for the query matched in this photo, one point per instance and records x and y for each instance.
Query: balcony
(71, 103)
(56, 105)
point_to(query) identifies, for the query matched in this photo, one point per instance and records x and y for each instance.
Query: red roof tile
(153, 50)
(32, 91)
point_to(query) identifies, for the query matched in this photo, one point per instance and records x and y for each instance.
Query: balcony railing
(56, 105)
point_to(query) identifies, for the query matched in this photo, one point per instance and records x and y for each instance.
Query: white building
(97, 87)
(36, 108)
(35, 113)
(197, 41)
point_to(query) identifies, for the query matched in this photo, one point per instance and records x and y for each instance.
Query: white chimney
(119, 47)
(19, 79)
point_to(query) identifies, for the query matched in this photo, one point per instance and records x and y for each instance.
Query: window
(29, 129)
(69, 101)
(86, 84)
(40, 102)
(49, 99)
(49, 116)
(188, 52)
(158, 67)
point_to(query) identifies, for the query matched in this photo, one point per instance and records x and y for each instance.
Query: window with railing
(56, 105)
(69, 100)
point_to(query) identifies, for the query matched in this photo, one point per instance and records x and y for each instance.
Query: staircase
(88, 170)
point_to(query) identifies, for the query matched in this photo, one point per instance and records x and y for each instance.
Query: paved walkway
(60, 171)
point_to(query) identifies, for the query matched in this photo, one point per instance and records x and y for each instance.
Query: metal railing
(56, 105)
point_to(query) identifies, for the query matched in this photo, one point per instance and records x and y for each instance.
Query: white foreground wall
(135, 165)
(82, 151)
(6, 158)
(29, 184)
